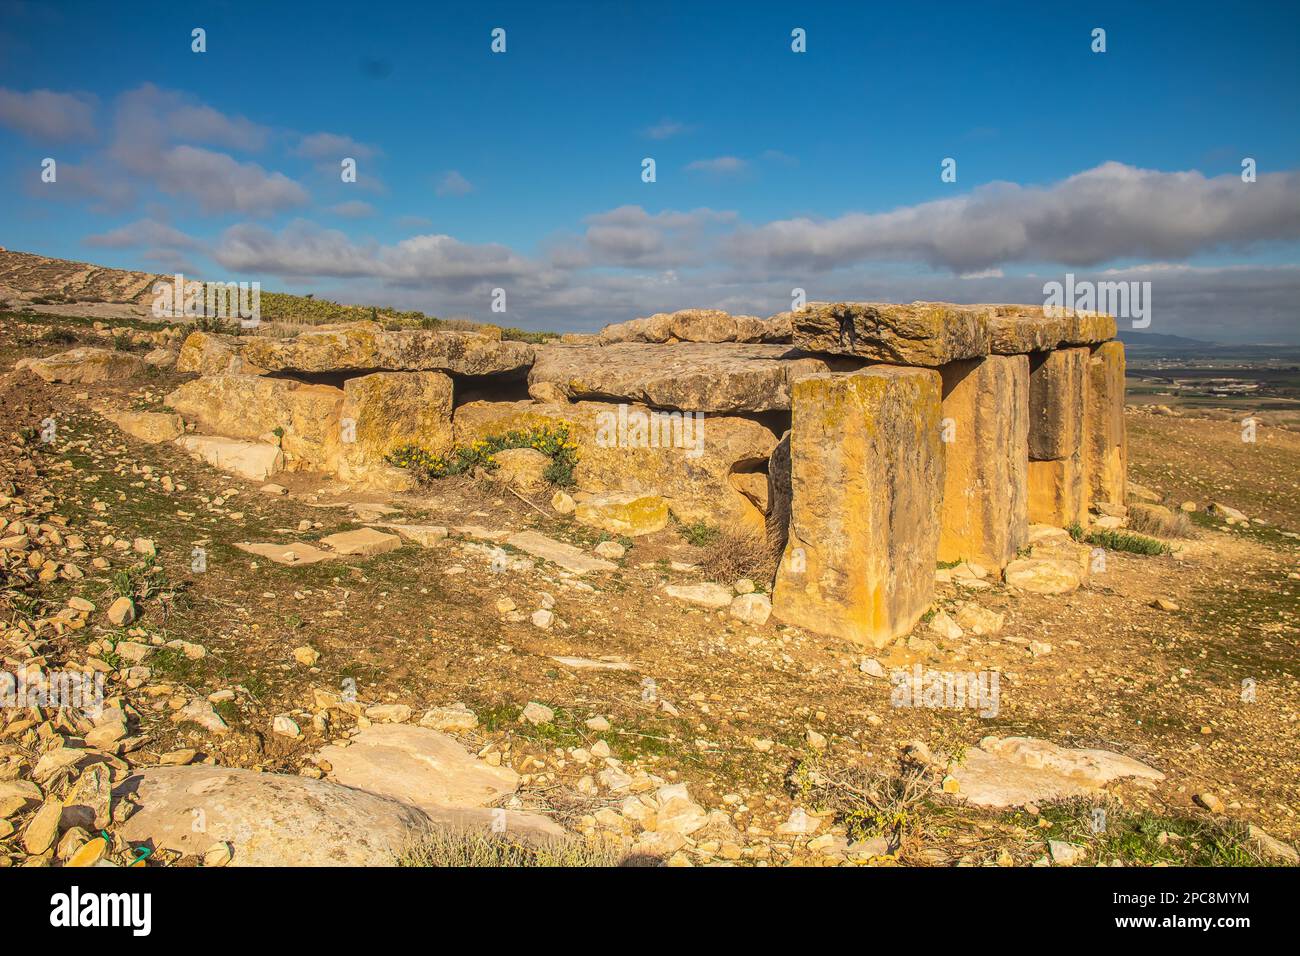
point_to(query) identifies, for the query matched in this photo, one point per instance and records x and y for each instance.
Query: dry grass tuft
(475, 848)
(738, 552)
(1159, 521)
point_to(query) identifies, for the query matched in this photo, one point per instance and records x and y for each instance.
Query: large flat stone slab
(698, 325)
(688, 376)
(256, 461)
(85, 366)
(268, 819)
(1013, 771)
(1018, 329)
(920, 333)
(867, 474)
(418, 766)
(367, 346)
(363, 541)
(299, 552)
(573, 560)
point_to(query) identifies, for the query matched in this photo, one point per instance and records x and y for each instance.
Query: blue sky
(774, 169)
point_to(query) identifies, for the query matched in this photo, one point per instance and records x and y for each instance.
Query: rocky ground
(679, 725)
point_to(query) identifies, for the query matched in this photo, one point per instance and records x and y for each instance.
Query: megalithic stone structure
(1057, 493)
(1105, 445)
(985, 430)
(866, 468)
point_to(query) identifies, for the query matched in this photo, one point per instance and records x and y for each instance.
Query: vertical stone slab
(1105, 445)
(1057, 492)
(985, 429)
(1056, 403)
(779, 495)
(1057, 495)
(384, 410)
(866, 471)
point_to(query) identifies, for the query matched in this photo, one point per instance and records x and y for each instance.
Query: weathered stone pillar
(779, 495)
(1057, 492)
(385, 410)
(986, 438)
(866, 470)
(1105, 446)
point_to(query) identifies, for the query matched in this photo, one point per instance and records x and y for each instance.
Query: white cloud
(1110, 212)
(47, 116)
(454, 184)
(631, 237)
(353, 209)
(143, 232)
(718, 166)
(148, 117)
(305, 249)
(220, 183)
(150, 121)
(666, 129)
(334, 147)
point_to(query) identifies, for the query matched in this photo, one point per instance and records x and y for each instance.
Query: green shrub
(553, 441)
(699, 533)
(1126, 541)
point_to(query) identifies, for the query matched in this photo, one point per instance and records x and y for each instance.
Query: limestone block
(385, 410)
(86, 366)
(252, 406)
(1105, 446)
(256, 461)
(148, 427)
(626, 513)
(1017, 329)
(365, 346)
(1056, 403)
(1057, 495)
(210, 354)
(691, 376)
(921, 333)
(684, 458)
(986, 431)
(867, 469)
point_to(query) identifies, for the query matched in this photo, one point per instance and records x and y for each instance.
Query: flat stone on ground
(1012, 771)
(566, 556)
(268, 819)
(296, 553)
(255, 461)
(429, 770)
(363, 541)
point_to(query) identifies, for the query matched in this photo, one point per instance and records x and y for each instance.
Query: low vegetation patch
(475, 848)
(1173, 524)
(868, 802)
(1119, 541)
(737, 551)
(553, 441)
(699, 533)
(1111, 832)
